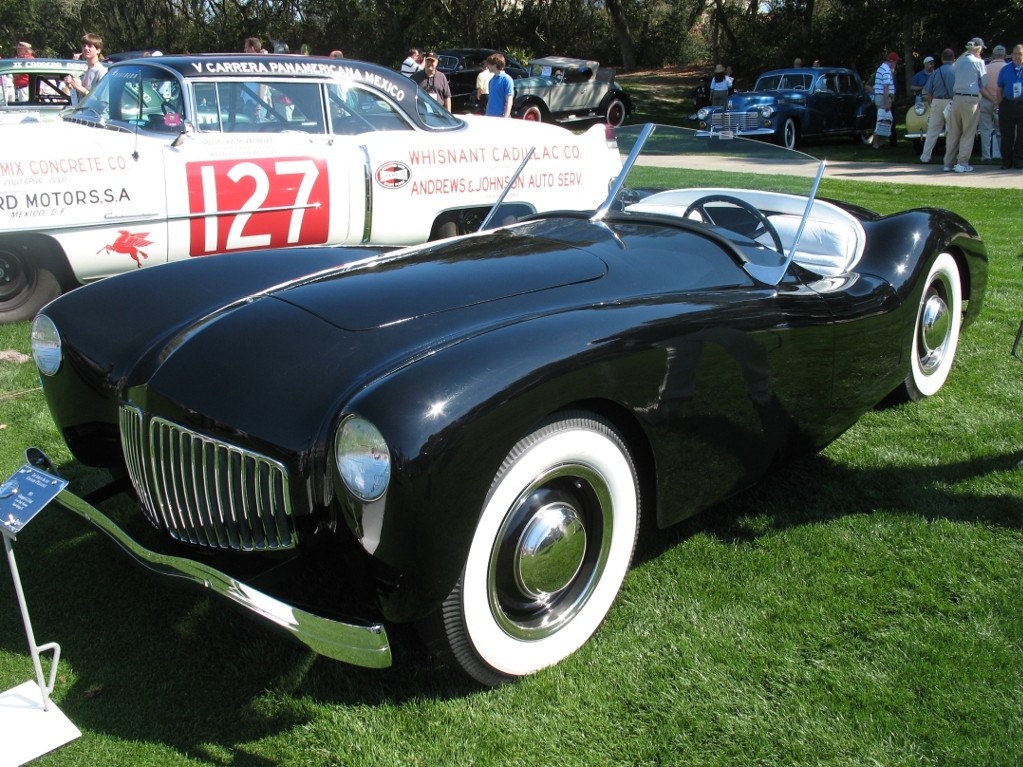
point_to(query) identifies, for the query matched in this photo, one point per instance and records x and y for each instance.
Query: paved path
(988, 176)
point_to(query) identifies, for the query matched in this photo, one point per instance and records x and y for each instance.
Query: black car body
(473, 430)
(790, 105)
(462, 66)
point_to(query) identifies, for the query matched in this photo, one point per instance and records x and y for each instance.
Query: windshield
(761, 192)
(145, 97)
(800, 81)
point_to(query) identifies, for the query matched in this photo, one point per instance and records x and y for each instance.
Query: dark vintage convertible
(468, 435)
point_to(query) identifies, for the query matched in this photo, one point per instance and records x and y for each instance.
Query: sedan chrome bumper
(361, 645)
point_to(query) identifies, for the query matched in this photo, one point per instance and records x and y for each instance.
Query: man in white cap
(990, 144)
(920, 79)
(970, 78)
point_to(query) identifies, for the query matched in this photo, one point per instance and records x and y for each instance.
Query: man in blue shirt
(1010, 110)
(502, 87)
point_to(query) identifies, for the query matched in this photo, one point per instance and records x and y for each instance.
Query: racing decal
(53, 187)
(484, 169)
(257, 203)
(393, 175)
(130, 244)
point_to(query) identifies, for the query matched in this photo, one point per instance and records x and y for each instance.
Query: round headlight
(767, 111)
(920, 108)
(363, 458)
(46, 346)
(702, 113)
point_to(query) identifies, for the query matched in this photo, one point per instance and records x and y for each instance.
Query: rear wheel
(552, 547)
(533, 113)
(24, 287)
(614, 113)
(936, 332)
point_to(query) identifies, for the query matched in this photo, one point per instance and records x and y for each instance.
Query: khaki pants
(961, 131)
(935, 127)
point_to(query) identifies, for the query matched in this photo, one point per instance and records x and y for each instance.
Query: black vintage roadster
(469, 434)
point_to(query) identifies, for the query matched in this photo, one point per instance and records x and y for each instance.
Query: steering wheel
(763, 223)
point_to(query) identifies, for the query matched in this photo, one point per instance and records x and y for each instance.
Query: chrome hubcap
(935, 326)
(550, 551)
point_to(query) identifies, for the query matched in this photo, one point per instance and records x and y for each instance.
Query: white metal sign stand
(32, 724)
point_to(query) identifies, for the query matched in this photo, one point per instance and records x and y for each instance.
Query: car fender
(449, 429)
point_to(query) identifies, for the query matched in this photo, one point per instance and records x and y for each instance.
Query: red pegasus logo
(129, 244)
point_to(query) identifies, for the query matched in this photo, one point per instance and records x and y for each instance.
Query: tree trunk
(622, 32)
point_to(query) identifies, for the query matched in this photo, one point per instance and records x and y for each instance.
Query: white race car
(175, 157)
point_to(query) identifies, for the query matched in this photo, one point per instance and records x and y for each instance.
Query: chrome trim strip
(359, 644)
(367, 222)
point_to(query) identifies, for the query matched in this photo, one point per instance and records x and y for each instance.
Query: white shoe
(959, 168)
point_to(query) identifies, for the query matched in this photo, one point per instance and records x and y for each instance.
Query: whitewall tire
(936, 331)
(552, 547)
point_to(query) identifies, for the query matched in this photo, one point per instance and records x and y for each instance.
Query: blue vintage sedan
(789, 105)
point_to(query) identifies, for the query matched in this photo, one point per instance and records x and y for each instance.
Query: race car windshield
(695, 175)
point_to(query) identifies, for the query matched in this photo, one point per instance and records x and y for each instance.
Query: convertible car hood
(399, 289)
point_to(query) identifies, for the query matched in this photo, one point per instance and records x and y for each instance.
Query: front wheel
(936, 331)
(532, 114)
(24, 287)
(614, 114)
(552, 547)
(787, 137)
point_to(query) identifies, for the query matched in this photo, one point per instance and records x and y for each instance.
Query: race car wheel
(789, 133)
(936, 332)
(533, 113)
(24, 287)
(550, 552)
(614, 114)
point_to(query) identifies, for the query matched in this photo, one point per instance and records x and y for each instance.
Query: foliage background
(752, 35)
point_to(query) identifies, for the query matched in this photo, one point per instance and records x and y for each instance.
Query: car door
(260, 170)
(850, 94)
(104, 181)
(822, 102)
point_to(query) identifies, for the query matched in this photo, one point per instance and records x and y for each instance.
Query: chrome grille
(735, 121)
(204, 491)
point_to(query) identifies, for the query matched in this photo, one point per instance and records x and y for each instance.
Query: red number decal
(258, 203)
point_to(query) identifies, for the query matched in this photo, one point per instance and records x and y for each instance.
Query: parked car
(790, 105)
(176, 157)
(917, 117)
(468, 434)
(47, 94)
(462, 65)
(565, 90)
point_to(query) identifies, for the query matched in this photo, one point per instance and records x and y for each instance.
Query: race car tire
(936, 331)
(551, 549)
(25, 288)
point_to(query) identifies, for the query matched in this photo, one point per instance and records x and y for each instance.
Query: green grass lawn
(861, 607)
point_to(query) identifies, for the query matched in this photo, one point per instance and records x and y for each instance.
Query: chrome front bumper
(359, 644)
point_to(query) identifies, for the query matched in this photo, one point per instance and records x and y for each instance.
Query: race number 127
(257, 203)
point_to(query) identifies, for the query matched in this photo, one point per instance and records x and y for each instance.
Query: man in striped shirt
(884, 92)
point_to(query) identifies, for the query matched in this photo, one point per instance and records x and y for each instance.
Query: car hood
(740, 101)
(56, 132)
(407, 286)
(303, 350)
